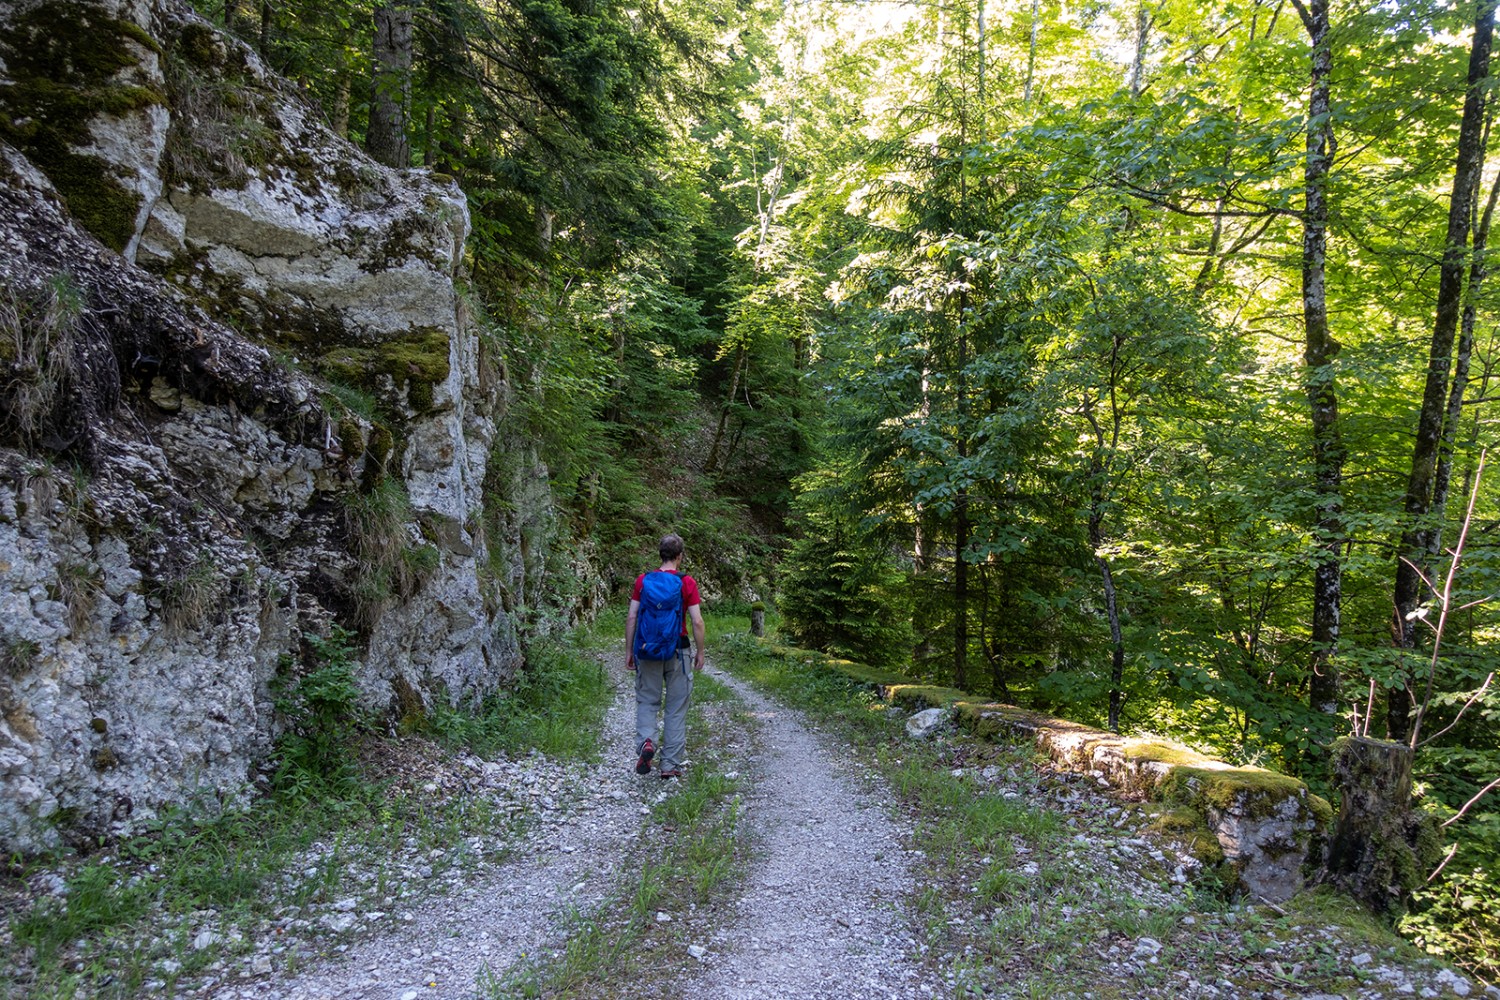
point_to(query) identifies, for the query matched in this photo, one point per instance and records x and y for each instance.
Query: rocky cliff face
(242, 401)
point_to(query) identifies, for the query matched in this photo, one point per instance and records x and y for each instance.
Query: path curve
(821, 911)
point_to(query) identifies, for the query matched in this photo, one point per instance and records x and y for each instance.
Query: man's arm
(696, 613)
(635, 607)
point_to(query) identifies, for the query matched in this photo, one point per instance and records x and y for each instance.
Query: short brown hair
(670, 547)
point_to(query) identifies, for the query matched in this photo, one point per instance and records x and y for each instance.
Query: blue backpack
(658, 623)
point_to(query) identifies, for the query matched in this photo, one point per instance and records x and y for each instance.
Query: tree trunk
(340, 118)
(1142, 36)
(961, 597)
(1421, 499)
(961, 522)
(1031, 54)
(1111, 610)
(267, 24)
(1372, 853)
(734, 387)
(993, 653)
(1443, 476)
(1318, 355)
(390, 94)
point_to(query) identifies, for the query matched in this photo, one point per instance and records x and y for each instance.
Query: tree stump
(1380, 849)
(757, 619)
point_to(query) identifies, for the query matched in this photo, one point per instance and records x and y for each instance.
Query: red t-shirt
(690, 596)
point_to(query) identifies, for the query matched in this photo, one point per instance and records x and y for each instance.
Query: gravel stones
(820, 915)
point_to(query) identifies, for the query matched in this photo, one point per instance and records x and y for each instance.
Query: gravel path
(441, 946)
(820, 915)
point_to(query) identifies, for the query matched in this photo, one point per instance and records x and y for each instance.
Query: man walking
(656, 648)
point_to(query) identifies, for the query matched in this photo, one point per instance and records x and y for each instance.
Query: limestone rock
(926, 722)
(183, 503)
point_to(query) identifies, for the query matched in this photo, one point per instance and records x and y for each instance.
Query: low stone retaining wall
(1259, 828)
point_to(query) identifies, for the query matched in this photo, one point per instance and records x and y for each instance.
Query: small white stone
(663, 918)
(1362, 959)
(1147, 947)
(698, 951)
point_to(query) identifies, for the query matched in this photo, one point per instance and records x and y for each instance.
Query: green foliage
(319, 706)
(556, 707)
(840, 592)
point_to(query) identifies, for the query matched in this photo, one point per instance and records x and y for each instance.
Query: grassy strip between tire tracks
(688, 853)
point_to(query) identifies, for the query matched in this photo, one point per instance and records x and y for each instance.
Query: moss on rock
(64, 61)
(415, 365)
(199, 45)
(1187, 826)
(924, 695)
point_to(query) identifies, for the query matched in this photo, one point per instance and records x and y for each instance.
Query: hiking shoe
(643, 765)
(674, 773)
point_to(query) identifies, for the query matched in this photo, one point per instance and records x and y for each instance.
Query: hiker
(656, 648)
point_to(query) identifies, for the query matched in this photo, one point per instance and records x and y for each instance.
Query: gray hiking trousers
(655, 680)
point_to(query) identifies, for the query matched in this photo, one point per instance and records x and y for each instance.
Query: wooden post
(757, 619)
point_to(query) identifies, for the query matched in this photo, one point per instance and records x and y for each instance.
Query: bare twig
(1466, 706)
(1442, 864)
(1460, 814)
(1445, 599)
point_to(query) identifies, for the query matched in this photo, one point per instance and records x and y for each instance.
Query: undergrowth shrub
(556, 706)
(842, 595)
(36, 352)
(391, 561)
(316, 751)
